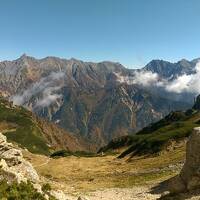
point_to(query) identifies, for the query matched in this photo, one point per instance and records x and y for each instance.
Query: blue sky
(131, 32)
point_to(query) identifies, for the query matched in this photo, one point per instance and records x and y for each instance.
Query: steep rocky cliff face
(85, 98)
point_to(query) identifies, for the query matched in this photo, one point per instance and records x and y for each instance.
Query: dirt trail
(40, 165)
(136, 193)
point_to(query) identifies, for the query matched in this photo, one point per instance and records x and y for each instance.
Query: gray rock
(189, 177)
(13, 167)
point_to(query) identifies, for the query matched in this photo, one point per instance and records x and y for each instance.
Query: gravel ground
(136, 193)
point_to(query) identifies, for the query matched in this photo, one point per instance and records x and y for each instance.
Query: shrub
(19, 191)
(22, 191)
(46, 188)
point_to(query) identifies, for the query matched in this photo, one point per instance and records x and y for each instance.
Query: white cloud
(184, 83)
(45, 85)
(49, 96)
(144, 78)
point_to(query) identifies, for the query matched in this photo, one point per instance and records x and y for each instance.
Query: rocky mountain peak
(23, 56)
(184, 63)
(168, 70)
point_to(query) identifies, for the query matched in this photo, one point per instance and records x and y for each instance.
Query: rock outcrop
(13, 167)
(189, 177)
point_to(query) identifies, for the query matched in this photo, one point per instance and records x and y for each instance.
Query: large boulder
(189, 177)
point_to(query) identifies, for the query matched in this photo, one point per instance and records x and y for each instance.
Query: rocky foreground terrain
(186, 185)
(131, 167)
(14, 167)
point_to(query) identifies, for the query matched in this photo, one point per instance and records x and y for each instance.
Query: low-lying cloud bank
(184, 83)
(46, 89)
(144, 78)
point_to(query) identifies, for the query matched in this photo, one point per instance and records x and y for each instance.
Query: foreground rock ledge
(12, 164)
(13, 167)
(189, 177)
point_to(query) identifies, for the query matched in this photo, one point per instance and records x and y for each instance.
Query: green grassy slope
(22, 128)
(155, 137)
(35, 134)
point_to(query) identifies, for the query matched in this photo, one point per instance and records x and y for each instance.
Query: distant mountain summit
(171, 70)
(99, 101)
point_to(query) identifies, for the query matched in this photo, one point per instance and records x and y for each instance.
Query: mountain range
(97, 101)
